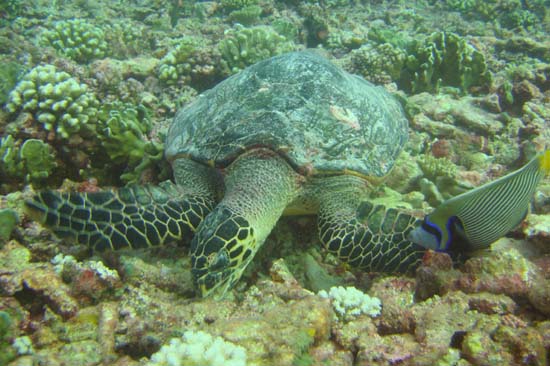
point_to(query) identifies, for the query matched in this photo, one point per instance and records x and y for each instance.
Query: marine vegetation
(77, 39)
(56, 100)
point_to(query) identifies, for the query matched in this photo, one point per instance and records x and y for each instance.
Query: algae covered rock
(77, 39)
(58, 101)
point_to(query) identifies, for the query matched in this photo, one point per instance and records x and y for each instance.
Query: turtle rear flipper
(134, 216)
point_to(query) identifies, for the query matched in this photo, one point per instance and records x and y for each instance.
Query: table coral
(57, 100)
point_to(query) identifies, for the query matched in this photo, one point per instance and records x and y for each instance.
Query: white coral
(199, 349)
(349, 302)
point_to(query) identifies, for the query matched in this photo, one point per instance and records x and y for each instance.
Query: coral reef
(381, 64)
(243, 46)
(349, 302)
(123, 132)
(8, 221)
(199, 348)
(61, 104)
(192, 62)
(31, 161)
(77, 39)
(88, 89)
(443, 59)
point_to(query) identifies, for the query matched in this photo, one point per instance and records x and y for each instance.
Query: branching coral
(199, 348)
(55, 99)
(123, 130)
(443, 59)
(378, 63)
(349, 302)
(77, 39)
(242, 46)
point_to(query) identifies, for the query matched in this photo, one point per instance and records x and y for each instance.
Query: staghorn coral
(443, 59)
(56, 100)
(242, 46)
(77, 39)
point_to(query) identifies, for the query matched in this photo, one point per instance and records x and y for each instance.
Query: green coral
(508, 13)
(55, 99)
(443, 59)
(434, 168)
(246, 16)
(192, 62)
(77, 39)
(7, 332)
(33, 161)
(242, 46)
(10, 72)
(237, 4)
(178, 63)
(8, 220)
(380, 64)
(123, 131)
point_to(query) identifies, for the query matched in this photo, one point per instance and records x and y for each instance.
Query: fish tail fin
(544, 161)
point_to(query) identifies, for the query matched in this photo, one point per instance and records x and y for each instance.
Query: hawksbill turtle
(293, 134)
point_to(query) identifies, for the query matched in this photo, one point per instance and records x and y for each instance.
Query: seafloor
(88, 89)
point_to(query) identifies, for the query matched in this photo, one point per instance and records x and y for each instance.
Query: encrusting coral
(57, 100)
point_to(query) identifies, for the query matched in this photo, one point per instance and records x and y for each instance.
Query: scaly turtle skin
(293, 134)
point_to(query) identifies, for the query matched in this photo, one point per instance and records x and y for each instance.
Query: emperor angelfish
(475, 219)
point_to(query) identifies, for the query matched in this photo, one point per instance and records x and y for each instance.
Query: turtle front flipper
(367, 236)
(259, 185)
(133, 216)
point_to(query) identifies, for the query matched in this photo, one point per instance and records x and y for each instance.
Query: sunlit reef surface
(88, 90)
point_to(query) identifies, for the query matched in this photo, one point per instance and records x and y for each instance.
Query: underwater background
(88, 90)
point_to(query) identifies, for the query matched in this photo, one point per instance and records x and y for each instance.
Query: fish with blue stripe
(475, 219)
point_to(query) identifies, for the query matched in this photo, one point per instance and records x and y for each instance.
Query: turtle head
(221, 251)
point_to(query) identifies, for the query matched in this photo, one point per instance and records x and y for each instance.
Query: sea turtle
(293, 134)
